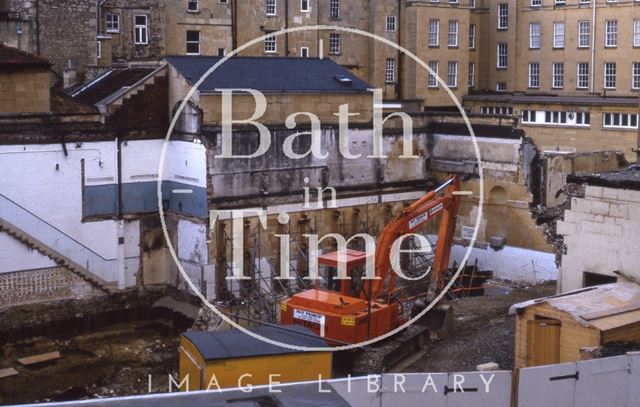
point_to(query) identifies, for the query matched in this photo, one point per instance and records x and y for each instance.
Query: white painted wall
(30, 179)
(185, 162)
(16, 256)
(511, 263)
(601, 232)
(47, 183)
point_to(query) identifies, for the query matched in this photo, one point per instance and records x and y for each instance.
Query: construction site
(323, 215)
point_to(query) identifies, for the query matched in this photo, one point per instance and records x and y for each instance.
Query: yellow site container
(231, 358)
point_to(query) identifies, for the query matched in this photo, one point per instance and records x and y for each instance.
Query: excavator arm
(439, 201)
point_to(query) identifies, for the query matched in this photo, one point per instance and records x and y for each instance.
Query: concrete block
(618, 210)
(629, 195)
(634, 213)
(571, 216)
(593, 192)
(567, 228)
(580, 205)
(604, 229)
(599, 207)
(488, 367)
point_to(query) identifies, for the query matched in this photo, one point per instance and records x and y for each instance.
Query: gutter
(593, 45)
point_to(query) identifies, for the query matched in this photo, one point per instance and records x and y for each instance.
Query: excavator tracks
(382, 356)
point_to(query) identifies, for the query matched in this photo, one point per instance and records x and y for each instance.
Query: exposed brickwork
(41, 285)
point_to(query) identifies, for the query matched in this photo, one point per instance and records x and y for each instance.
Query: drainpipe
(400, 76)
(286, 25)
(38, 26)
(234, 24)
(593, 45)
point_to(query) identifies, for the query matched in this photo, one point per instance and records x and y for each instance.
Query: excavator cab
(354, 265)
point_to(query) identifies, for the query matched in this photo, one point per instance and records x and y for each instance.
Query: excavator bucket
(438, 320)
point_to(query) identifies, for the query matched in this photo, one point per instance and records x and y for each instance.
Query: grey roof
(480, 130)
(230, 344)
(542, 98)
(625, 179)
(269, 74)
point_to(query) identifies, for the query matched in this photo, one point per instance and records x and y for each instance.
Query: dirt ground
(117, 360)
(113, 361)
(482, 332)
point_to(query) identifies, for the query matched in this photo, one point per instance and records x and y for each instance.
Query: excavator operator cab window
(330, 282)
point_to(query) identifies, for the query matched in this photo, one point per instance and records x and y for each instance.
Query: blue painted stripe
(141, 197)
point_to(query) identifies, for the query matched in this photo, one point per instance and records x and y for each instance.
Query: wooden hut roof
(603, 307)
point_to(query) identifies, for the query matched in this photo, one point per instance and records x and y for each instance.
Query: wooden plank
(42, 358)
(8, 372)
(610, 312)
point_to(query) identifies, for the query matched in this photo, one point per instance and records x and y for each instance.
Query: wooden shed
(554, 329)
(231, 358)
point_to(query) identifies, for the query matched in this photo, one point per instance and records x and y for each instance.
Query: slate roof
(13, 58)
(231, 344)
(109, 83)
(269, 74)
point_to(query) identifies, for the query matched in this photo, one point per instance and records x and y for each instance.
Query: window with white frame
(270, 7)
(503, 16)
(471, 78)
(558, 35)
(472, 4)
(635, 75)
(584, 34)
(560, 2)
(391, 23)
(501, 51)
(334, 9)
(452, 39)
(472, 36)
(433, 79)
(636, 33)
(620, 120)
(193, 6)
(141, 29)
(452, 74)
(335, 43)
(305, 7)
(610, 75)
(558, 75)
(536, 3)
(193, 42)
(434, 32)
(556, 118)
(611, 33)
(270, 44)
(534, 75)
(501, 87)
(585, 1)
(583, 75)
(99, 49)
(534, 35)
(304, 52)
(390, 72)
(113, 23)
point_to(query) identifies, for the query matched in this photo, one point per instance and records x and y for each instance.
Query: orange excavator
(348, 313)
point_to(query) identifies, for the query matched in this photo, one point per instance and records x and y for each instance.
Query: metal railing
(40, 232)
